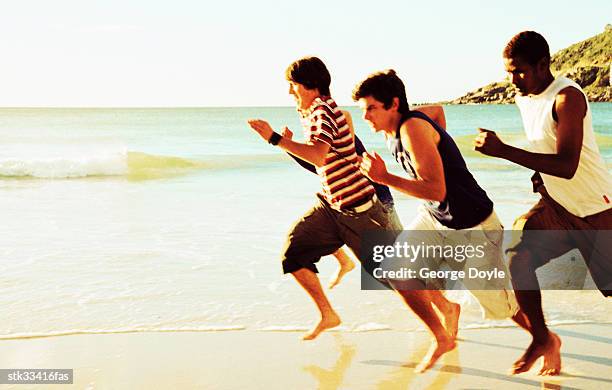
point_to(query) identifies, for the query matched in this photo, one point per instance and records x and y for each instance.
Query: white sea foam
(509, 324)
(368, 327)
(284, 328)
(60, 158)
(205, 328)
(371, 327)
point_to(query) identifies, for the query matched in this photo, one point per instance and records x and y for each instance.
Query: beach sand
(281, 360)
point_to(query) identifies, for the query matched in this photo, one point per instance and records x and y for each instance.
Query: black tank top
(466, 204)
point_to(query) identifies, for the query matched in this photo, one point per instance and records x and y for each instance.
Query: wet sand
(336, 360)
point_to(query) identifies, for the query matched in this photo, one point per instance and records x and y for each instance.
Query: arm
(308, 166)
(419, 139)
(313, 152)
(436, 113)
(358, 145)
(303, 163)
(570, 107)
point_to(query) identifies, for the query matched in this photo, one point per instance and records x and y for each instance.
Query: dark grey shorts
(323, 230)
(565, 232)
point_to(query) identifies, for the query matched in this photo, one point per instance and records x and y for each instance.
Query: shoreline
(335, 360)
(362, 328)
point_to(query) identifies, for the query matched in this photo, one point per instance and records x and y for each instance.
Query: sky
(133, 53)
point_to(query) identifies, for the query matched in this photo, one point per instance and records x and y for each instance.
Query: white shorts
(445, 258)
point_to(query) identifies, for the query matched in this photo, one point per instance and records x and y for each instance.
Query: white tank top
(588, 192)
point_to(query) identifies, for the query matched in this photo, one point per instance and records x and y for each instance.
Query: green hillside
(587, 63)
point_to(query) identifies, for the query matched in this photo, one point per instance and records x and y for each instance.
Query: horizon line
(187, 107)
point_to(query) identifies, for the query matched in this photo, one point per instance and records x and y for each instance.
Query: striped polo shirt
(344, 186)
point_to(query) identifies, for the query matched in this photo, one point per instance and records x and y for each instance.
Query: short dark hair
(383, 86)
(529, 46)
(311, 73)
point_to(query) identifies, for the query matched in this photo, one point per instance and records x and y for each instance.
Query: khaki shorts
(494, 296)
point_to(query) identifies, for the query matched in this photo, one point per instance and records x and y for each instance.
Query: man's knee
(408, 287)
(520, 263)
(522, 268)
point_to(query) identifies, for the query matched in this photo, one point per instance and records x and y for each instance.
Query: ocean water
(120, 220)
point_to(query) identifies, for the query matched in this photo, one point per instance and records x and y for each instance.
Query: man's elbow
(570, 166)
(319, 161)
(320, 155)
(570, 171)
(439, 116)
(439, 193)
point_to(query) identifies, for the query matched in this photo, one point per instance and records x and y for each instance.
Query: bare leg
(346, 265)
(420, 302)
(552, 356)
(545, 343)
(521, 320)
(450, 312)
(310, 282)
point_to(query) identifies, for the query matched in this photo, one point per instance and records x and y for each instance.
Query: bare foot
(327, 322)
(451, 320)
(438, 348)
(551, 348)
(552, 356)
(342, 270)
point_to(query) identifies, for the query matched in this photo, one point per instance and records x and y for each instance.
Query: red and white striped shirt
(344, 186)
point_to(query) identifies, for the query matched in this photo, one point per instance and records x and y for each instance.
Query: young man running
(573, 182)
(346, 264)
(347, 207)
(455, 206)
